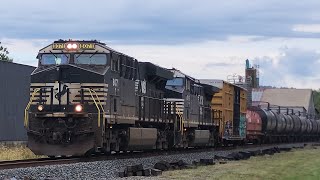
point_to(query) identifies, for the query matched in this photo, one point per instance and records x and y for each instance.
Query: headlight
(78, 108)
(40, 107)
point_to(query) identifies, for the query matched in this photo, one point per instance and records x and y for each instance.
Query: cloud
(283, 62)
(217, 64)
(154, 22)
(291, 68)
(308, 28)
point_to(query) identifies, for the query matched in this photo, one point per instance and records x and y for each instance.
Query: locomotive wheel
(89, 153)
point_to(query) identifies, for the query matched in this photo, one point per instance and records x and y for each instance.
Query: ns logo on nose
(61, 93)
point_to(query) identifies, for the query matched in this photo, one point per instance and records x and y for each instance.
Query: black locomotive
(86, 97)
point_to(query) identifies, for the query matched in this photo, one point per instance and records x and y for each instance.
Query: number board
(86, 46)
(83, 46)
(58, 46)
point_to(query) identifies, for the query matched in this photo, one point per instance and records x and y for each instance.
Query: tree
(316, 99)
(4, 54)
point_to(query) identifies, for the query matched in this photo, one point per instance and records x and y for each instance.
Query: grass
(16, 153)
(297, 164)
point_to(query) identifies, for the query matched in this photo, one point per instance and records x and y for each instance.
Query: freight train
(86, 97)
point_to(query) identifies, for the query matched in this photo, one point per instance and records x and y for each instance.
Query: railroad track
(69, 160)
(36, 162)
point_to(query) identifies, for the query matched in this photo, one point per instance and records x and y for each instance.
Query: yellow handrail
(90, 91)
(181, 120)
(26, 114)
(100, 105)
(96, 102)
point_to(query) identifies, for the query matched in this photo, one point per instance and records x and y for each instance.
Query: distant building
(289, 100)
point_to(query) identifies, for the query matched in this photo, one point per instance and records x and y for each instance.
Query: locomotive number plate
(58, 46)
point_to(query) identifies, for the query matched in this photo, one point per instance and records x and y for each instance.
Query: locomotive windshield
(50, 59)
(97, 59)
(175, 82)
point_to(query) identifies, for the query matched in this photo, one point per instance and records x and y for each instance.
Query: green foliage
(298, 164)
(316, 99)
(4, 54)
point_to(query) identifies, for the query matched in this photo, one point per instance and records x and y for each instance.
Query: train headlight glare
(40, 107)
(69, 46)
(72, 46)
(78, 108)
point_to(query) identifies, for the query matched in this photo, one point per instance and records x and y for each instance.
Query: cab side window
(115, 62)
(128, 67)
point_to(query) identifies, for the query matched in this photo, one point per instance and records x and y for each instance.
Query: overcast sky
(205, 39)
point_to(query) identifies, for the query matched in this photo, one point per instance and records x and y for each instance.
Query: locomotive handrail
(26, 114)
(100, 105)
(181, 120)
(96, 101)
(90, 91)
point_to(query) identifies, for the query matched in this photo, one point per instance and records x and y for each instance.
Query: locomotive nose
(68, 73)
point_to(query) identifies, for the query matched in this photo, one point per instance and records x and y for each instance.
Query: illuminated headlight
(40, 107)
(69, 46)
(72, 46)
(78, 108)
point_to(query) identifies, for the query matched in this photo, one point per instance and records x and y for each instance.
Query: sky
(205, 39)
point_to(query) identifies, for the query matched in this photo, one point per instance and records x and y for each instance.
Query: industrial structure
(14, 95)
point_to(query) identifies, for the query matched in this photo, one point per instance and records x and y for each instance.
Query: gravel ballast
(108, 169)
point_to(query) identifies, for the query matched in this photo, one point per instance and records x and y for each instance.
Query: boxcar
(231, 102)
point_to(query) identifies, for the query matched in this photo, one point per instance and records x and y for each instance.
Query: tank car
(86, 97)
(270, 125)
